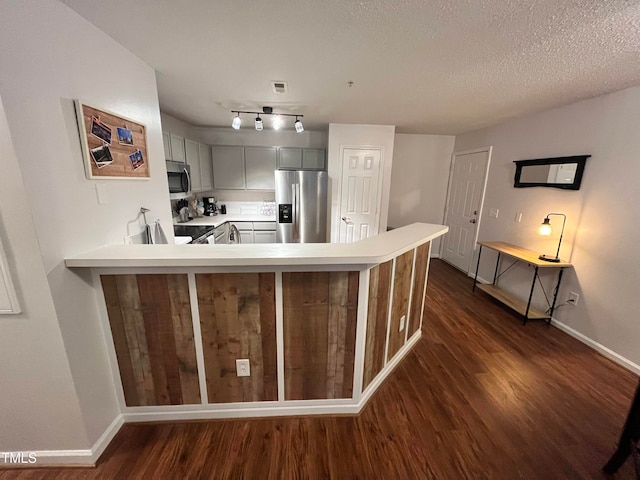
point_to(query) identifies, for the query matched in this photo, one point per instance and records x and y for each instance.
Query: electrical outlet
(573, 298)
(243, 368)
(402, 321)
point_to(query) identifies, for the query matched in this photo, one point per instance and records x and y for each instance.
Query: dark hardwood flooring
(480, 396)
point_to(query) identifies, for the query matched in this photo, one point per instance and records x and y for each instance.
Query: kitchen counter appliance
(179, 176)
(301, 206)
(199, 233)
(210, 206)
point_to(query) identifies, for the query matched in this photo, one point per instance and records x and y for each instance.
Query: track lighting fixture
(278, 121)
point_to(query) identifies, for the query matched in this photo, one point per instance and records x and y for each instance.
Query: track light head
(237, 121)
(258, 123)
(277, 122)
(298, 125)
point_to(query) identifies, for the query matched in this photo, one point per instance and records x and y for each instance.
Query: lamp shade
(545, 227)
(237, 121)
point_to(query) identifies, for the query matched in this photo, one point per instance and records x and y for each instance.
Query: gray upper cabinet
(228, 168)
(206, 167)
(260, 163)
(177, 149)
(166, 142)
(313, 159)
(193, 160)
(289, 158)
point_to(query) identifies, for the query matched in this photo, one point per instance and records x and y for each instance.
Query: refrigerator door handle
(296, 211)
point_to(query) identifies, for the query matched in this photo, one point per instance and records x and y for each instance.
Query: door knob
(473, 220)
(347, 220)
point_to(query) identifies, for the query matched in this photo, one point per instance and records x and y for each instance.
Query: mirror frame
(581, 160)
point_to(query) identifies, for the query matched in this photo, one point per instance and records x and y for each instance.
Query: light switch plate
(493, 213)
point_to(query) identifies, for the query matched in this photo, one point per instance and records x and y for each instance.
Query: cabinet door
(260, 163)
(206, 168)
(313, 159)
(177, 148)
(228, 168)
(290, 158)
(166, 142)
(264, 236)
(193, 160)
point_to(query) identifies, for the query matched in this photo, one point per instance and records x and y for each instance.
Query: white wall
(49, 56)
(419, 178)
(602, 233)
(369, 136)
(39, 408)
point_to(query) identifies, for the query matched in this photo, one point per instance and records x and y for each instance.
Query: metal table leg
(475, 278)
(533, 285)
(555, 296)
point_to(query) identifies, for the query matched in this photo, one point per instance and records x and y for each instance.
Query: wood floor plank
(534, 403)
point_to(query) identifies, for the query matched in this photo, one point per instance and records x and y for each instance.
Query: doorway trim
(489, 151)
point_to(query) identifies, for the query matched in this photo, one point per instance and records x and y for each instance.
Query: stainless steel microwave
(179, 175)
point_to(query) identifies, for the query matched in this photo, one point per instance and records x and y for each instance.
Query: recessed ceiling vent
(278, 86)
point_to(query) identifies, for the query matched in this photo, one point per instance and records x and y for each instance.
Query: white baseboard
(80, 458)
(610, 354)
(388, 368)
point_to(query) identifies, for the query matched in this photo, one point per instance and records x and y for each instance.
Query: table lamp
(545, 229)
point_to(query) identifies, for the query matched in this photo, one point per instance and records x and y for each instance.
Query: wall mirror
(559, 172)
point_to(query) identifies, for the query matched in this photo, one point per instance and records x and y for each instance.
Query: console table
(530, 257)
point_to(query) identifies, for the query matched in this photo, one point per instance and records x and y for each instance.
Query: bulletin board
(112, 146)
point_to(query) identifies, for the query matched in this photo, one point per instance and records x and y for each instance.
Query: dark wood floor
(479, 397)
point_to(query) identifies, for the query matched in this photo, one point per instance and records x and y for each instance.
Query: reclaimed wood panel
(377, 316)
(419, 280)
(150, 320)
(320, 312)
(400, 303)
(238, 320)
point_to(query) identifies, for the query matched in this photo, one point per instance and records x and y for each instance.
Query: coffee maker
(210, 206)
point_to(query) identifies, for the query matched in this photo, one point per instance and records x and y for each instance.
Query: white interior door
(360, 194)
(464, 205)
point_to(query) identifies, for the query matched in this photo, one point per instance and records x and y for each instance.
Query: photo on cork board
(102, 156)
(125, 136)
(100, 130)
(137, 160)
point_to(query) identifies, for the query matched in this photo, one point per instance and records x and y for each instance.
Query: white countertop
(219, 219)
(372, 250)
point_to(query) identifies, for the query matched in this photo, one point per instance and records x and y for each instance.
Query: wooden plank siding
(400, 303)
(237, 320)
(150, 320)
(377, 316)
(419, 280)
(320, 315)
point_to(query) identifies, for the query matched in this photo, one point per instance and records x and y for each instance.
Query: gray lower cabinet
(246, 231)
(264, 236)
(228, 167)
(260, 163)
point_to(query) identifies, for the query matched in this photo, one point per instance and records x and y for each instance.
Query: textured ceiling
(439, 66)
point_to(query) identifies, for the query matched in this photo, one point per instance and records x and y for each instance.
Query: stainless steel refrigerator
(301, 206)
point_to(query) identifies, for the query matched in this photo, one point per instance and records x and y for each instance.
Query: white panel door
(360, 194)
(464, 203)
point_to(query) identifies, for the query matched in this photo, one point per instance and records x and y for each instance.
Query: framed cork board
(112, 146)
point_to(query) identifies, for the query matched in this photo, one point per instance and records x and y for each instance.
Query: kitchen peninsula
(321, 325)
